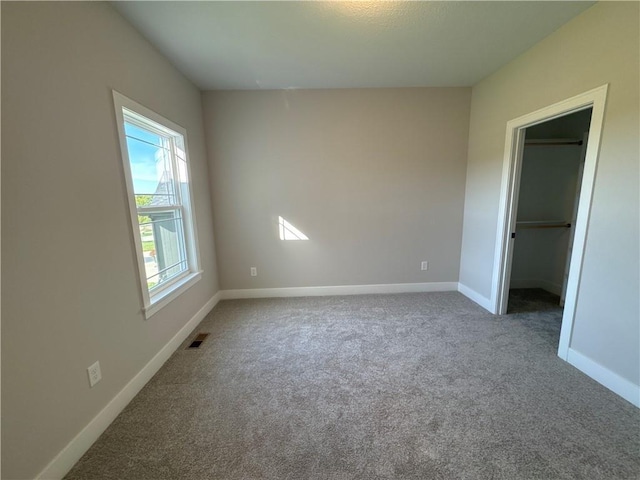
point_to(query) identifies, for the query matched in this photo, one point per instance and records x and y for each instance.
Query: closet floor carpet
(406, 386)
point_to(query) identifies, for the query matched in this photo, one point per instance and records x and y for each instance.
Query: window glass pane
(162, 246)
(179, 140)
(181, 161)
(151, 172)
(134, 131)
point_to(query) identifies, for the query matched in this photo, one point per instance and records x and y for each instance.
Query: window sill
(164, 298)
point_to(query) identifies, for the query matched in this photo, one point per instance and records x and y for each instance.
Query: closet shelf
(543, 224)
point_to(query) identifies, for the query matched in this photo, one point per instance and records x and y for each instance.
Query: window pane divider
(147, 142)
(154, 195)
(160, 221)
(167, 268)
(160, 209)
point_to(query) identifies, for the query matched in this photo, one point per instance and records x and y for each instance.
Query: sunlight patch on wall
(289, 232)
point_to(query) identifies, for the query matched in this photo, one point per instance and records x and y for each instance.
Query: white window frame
(154, 300)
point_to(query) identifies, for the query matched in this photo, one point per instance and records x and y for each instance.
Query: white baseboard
(471, 294)
(614, 382)
(67, 458)
(536, 283)
(339, 290)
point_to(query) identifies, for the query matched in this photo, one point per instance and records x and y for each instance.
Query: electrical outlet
(254, 272)
(94, 374)
(424, 265)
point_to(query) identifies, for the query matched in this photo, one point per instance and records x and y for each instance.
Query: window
(156, 165)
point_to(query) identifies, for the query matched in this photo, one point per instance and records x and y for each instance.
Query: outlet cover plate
(95, 375)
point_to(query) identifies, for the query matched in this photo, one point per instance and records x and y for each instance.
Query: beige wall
(600, 46)
(374, 177)
(70, 288)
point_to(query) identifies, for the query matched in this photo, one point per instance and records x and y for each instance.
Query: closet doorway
(547, 185)
(549, 192)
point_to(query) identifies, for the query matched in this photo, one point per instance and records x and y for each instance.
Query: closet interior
(550, 179)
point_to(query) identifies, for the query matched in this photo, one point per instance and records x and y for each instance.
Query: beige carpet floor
(408, 386)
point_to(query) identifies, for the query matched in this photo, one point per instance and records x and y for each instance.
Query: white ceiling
(318, 44)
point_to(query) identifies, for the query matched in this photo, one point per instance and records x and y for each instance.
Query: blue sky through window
(142, 157)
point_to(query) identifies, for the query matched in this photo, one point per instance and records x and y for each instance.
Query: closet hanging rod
(543, 224)
(546, 143)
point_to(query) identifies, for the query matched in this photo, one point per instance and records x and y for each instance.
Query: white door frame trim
(514, 147)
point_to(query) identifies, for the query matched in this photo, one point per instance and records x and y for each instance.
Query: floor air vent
(198, 341)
